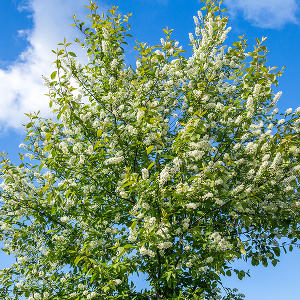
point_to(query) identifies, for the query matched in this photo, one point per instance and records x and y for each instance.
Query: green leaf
(254, 262)
(128, 246)
(149, 149)
(242, 248)
(72, 54)
(93, 277)
(133, 225)
(241, 275)
(78, 259)
(53, 75)
(264, 262)
(276, 251)
(151, 165)
(126, 184)
(99, 132)
(274, 263)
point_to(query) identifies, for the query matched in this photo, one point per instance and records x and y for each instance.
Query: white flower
(140, 114)
(236, 146)
(114, 160)
(185, 223)
(209, 260)
(219, 181)
(238, 120)
(208, 195)
(133, 236)
(123, 194)
(145, 174)
(64, 219)
(177, 163)
(103, 72)
(256, 90)
(281, 121)
(92, 295)
(81, 286)
(288, 111)
(164, 175)
(114, 64)
(117, 281)
(36, 296)
(22, 146)
(276, 98)
(189, 264)
(238, 189)
(200, 15)
(104, 45)
(196, 21)
(192, 205)
(251, 147)
(164, 245)
(249, 103)
(90, 149)
(63, 280)
(143, 251)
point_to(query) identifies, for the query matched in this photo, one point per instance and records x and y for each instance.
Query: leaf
(274, 262)
(93, 277)
(151, 165)
(242, 248)
(127, 184)
(133, 225)
(241, 275)
(97, 145)
(128, 246)
(264, 262)
(45, 188)
(276, 251)
(78, 259)
(53, 75)
(99, 132)
(149, 149)
(72, 54)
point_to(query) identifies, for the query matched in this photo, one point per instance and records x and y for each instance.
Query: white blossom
(145, 174)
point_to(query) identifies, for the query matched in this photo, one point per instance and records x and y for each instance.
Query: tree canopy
(173, 168)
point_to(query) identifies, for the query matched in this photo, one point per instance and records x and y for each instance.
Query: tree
(174, 168)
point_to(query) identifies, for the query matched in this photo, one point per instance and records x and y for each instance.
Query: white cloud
(265, 13)
(21, 85)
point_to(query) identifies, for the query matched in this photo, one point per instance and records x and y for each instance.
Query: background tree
(174, 169)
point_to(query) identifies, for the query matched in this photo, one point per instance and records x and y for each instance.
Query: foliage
(174, 168)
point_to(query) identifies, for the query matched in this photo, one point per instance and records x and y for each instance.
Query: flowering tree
(173, 169)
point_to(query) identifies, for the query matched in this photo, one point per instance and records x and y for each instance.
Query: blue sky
(31, 28)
